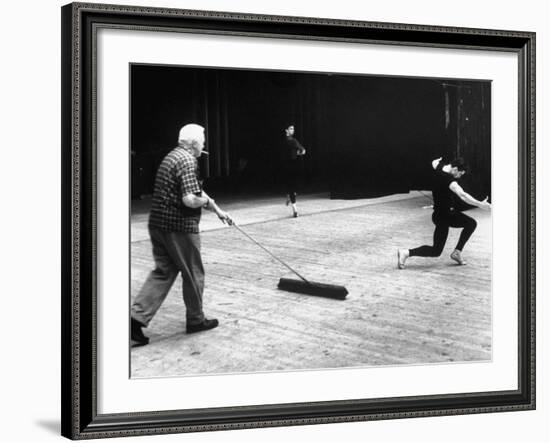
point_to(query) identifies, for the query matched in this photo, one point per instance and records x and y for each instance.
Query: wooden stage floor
(434, 311)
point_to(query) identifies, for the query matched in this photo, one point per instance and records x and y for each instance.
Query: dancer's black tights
(291, 179)
(442, 224)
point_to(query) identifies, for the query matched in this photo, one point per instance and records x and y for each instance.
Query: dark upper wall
(365, 135)
(389, 130)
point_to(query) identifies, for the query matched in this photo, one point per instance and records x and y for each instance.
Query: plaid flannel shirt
(176, 177)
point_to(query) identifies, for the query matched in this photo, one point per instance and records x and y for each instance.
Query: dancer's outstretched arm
(467, 198)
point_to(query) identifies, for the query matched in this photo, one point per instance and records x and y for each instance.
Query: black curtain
(364, 135)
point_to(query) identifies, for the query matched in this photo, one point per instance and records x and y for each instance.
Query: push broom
(301, 286)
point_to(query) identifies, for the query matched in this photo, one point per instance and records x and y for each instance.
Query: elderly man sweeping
(174, 231)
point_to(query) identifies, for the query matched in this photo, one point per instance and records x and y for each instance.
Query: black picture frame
(79, 243)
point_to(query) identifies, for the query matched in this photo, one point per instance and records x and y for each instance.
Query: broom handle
(269, 252)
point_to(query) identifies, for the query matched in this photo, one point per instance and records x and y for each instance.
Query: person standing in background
(292, 150)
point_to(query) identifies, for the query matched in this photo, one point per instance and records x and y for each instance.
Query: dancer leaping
(445, 216)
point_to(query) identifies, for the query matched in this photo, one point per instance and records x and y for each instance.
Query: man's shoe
(205, 325)
(401, 257)
(137, 334)
(457, 257)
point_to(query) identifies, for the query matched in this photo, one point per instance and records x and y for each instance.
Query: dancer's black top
(292, 147)
(442, 194)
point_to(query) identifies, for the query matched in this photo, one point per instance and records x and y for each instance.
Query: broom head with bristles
(313, 288)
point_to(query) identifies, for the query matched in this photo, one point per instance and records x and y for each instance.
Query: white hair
(191, 134)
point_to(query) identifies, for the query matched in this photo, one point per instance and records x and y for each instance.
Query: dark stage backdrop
(365, 135)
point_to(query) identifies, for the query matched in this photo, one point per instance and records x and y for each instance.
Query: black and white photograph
(293, 221)
(242, 221)
(274, 221)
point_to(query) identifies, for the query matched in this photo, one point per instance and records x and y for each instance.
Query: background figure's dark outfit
(445, 217)
(291, 165)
